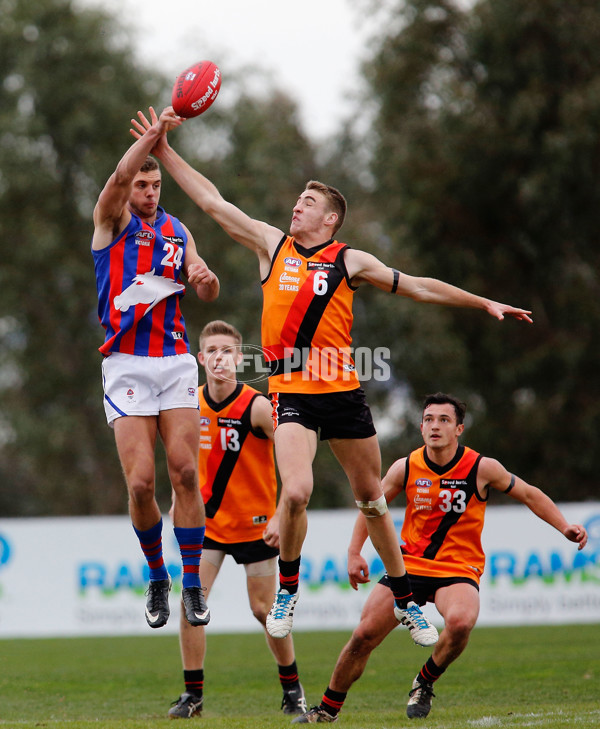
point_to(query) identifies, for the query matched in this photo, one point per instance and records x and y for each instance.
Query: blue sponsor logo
(5, 550)
(333, 569)
(292, 262)
(551, 567)
(110, 579)
(423, 482)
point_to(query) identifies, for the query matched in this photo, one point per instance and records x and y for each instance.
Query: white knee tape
(373, 508)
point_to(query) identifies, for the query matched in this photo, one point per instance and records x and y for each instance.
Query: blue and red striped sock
(190, 542)
(151, 543)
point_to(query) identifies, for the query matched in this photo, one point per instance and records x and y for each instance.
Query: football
(196, 88)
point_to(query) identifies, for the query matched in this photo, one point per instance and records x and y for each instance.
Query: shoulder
(363, 266)
(260, 413)
(490, 471)
(397, 472)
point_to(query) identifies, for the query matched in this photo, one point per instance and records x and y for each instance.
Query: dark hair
(149, 165)
(440, 398)
(337, 202)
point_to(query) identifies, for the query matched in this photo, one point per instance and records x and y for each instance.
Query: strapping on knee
(373, 508)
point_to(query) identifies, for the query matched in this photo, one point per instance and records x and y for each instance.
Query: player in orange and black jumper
(447, 487)
(309, 279)
(239, 491)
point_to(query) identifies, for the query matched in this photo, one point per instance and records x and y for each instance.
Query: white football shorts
(135, 385)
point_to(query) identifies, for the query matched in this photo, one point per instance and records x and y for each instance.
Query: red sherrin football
(196, 88)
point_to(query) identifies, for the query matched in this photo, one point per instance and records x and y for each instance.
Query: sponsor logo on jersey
(425, 482)
(294, 262)
(228, 422)
(177, 335)
(320, 266)
(176, 240)
(286, 278)
(144, 237)
(453, 483)
(204, 421)
(262, 519)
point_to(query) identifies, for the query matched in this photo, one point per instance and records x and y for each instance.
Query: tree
(485, 166)
(61, 140)
(64, 110)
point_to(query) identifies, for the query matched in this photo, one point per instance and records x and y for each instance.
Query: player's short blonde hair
(218, 326)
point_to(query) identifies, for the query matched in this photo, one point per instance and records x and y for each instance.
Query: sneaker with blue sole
(281, 615)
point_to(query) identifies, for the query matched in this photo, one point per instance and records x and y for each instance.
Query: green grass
(508, 677)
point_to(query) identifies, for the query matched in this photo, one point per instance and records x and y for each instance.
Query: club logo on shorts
(192, 391)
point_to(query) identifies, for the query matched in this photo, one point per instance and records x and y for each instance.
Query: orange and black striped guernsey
(236, 468)
(444, 518)
(307, 318)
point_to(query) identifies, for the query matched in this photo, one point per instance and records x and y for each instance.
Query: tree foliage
(65, 105)
(63, 102)
(486, 160)
(476, 164)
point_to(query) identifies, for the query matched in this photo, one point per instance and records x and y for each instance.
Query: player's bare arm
(493, 473)
(261, 416)
(254, 234)
(358, 569)
(366, 268)
(198, 274)
(262, 420)
(111, 214)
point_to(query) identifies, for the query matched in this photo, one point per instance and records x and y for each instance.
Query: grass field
(508, 677)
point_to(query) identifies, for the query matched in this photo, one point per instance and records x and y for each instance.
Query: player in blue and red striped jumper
(150, 378)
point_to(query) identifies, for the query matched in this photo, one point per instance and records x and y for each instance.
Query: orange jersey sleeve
(444, 517)
(236, 469)
(307, 318)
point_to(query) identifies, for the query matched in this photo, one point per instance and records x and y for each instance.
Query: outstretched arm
(495, 475)
(366, 268)
(254, 234)
(111, 213)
